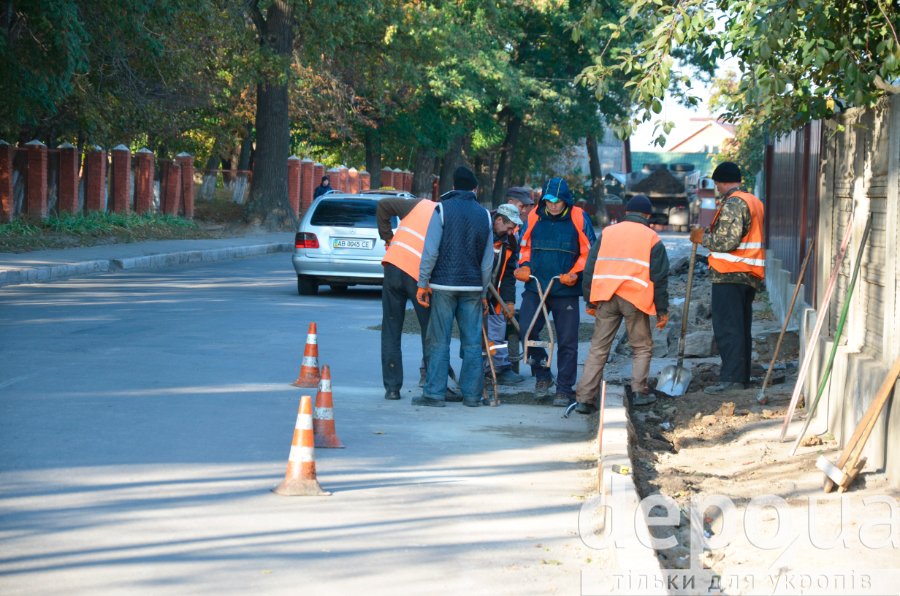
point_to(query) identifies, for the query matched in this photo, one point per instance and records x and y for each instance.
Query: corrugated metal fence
(792, 200)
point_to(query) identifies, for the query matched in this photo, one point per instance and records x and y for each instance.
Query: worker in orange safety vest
(626, 277)
(737, 264)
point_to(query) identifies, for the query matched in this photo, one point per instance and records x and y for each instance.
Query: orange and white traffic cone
(323, 415)
(309, 370)
(300, 479)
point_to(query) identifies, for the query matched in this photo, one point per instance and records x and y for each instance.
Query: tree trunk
(208, 188)
(246, 148)
(452, 160)
(507, 155)
(373, 157)
(596, 181)
(423, 173)
(269, 205)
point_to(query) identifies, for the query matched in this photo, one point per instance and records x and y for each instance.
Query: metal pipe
(837, 336)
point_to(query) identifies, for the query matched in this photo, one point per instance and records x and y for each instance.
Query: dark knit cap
(641, 204)
(520, 194)
(464, 179)
(727, 171)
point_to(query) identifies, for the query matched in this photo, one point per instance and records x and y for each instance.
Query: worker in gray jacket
(454, 273)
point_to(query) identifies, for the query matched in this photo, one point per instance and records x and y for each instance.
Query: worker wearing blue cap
(555, 243)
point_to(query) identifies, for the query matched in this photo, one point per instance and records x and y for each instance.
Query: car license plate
(359, 244)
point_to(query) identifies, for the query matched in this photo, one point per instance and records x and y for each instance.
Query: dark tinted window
(345, 213)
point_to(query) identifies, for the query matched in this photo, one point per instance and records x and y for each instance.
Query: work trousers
(732, 315)
(466, 308)
(637, 325)
(567, 317)
(496, 332)
(398, 287)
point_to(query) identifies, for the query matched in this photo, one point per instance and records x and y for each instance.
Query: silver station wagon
(337, 242)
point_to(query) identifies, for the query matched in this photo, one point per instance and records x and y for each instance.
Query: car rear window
(345, 213)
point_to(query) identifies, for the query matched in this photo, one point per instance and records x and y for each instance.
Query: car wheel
(338, 288)
(306, 285)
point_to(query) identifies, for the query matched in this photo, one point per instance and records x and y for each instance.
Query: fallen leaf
(267, 571)
(550, 562)
(377, 432)
(746, 463)
(546, 548)
(538, 545)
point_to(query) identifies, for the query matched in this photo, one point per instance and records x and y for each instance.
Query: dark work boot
(642, 399)
(391, 395)
(542, 388)
(427, 401)
(720, 388)
(585, 408)
(562, 400)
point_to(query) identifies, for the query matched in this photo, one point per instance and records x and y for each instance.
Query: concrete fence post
(353, 181)
(95, 186)
(172, 195)
(344, 177)
(318, 172)
(334, 178)
(68, 179)
(364, 181)
(185, 163)
(143, 180)
(36, 199)
(387, 178)
(6, 181)
(121, 179)
(293, 183)
(307, 184)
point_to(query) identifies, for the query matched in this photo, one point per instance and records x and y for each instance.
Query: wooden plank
(867, 423)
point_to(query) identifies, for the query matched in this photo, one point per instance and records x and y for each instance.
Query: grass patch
(88, 229)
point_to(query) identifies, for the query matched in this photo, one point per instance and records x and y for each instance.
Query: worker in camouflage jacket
(737, 264)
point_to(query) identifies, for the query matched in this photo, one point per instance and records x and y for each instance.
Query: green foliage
(748, 147)
(799, 60)
(92, 223)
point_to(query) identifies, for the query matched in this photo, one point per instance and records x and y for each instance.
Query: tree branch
(259, 20)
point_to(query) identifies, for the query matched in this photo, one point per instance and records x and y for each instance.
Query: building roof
(706, 124)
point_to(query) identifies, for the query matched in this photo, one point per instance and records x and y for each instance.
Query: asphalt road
(144, 418)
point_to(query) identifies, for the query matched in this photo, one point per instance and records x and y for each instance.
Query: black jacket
(659, 269)
(503, 278)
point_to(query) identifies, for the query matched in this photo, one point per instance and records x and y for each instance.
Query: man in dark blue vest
(454, 273)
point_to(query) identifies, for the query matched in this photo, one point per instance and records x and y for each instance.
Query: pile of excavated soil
(661, 182)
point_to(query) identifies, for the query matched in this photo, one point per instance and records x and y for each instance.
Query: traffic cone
(309, 370)
(300, 479)
(323, 415)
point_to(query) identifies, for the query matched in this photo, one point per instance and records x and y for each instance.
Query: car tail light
(306, 240)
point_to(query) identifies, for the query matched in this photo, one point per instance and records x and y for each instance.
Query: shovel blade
(674, 380)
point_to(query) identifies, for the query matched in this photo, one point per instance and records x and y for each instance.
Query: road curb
(618, 436)
(27, 275)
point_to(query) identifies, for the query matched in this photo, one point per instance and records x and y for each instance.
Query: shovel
(674, 380)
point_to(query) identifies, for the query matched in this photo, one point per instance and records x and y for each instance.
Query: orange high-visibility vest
(584, 245)
(750, 255)
(498, 246)
(405, 250)
(623, 265)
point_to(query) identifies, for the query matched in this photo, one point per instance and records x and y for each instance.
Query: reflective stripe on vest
(750, 255)
(405, 250)
(623, 265)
